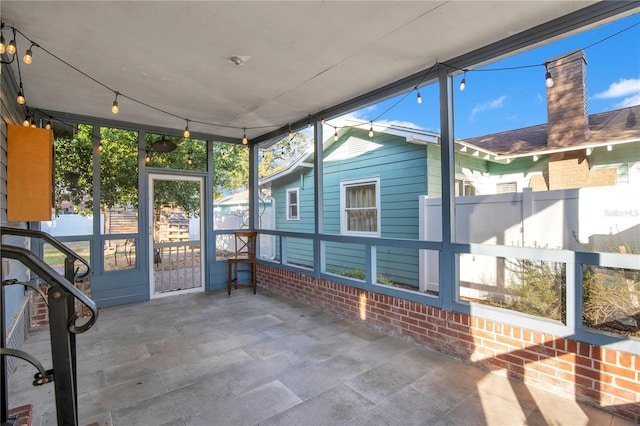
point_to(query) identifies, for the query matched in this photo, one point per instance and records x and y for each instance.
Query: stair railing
(63, 325)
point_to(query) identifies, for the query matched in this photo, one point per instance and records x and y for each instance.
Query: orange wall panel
(29, 174)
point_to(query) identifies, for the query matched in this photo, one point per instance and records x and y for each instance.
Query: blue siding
(402, 170)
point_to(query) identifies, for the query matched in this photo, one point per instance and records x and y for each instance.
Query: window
(506, 187)
(463, 188)
(293, 203)
(360, 206)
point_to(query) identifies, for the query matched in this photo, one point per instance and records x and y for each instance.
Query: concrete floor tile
(121, 395)
(335, 406)
(202, 369)
(556, 410)
(172, 407)
(320, 377)
(249, 408)
(384, 380)
(492, 411)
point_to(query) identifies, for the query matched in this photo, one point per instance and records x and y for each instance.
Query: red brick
(632, 386)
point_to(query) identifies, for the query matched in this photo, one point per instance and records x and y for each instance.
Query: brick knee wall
(38, 311)
(603, 377)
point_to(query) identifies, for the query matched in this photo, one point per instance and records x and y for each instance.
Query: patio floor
(211, 359)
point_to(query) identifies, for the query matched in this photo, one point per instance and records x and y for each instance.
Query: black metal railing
(63, 323)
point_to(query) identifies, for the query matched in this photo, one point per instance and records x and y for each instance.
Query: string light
(100, 147)
(186, 132)
(28, 55)
(48, 125)
(147, 156)
(463, 83)
(309, 121)
(114, 107)
(189, 159)
(20, 98)
(335, 135)
(33, 123)
(245, 141)
(11, 48)
(26, 121)
(548, 79)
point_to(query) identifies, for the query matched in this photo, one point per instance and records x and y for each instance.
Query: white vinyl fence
(588, 219)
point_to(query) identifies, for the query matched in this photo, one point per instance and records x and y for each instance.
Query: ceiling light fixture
(164, 145)
(114, 107)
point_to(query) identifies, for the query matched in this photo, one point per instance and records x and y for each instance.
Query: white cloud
(493, 104)
(623, 88)
(630, 101)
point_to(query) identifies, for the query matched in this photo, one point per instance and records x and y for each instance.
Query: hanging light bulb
(186, 132)
(189, 159)
(28, 56)
(20, 98)
(548, 79)
(463, 83)
(33, 123)
(371, 130)
(245, 141)
(11, 48)
(2, 46)
(147, 157)
(309, 121)
(48, 125)
(335, 135)
(114, 107)
(418, 97)
(100, 147)
(322, 121)
(26, 122)
(291, 133)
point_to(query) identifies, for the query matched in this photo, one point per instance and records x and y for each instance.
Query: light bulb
(419, 98)
(371, 131)
(28, 57)
(100, 147)
(2, 46)
(33, 124)
(20, 98)
(463, 84)
(114, 107)
(26, 121)
(549, 80)
(48, 125)
(11, 48)
(245, 141)
(186, 132)
(147, 158)
(335, 135)
(189, 161)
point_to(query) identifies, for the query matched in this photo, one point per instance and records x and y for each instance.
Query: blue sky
(495, 101)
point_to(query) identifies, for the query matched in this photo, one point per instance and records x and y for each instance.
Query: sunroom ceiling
(299, 58)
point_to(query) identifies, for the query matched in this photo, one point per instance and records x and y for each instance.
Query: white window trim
(297, 191)
(343, 213)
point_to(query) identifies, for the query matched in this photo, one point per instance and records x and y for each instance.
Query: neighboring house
(371, 186)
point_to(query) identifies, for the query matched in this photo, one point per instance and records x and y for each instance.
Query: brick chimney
(567, 115)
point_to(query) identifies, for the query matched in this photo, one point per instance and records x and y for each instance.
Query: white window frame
(343, 212)
(297, 192)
